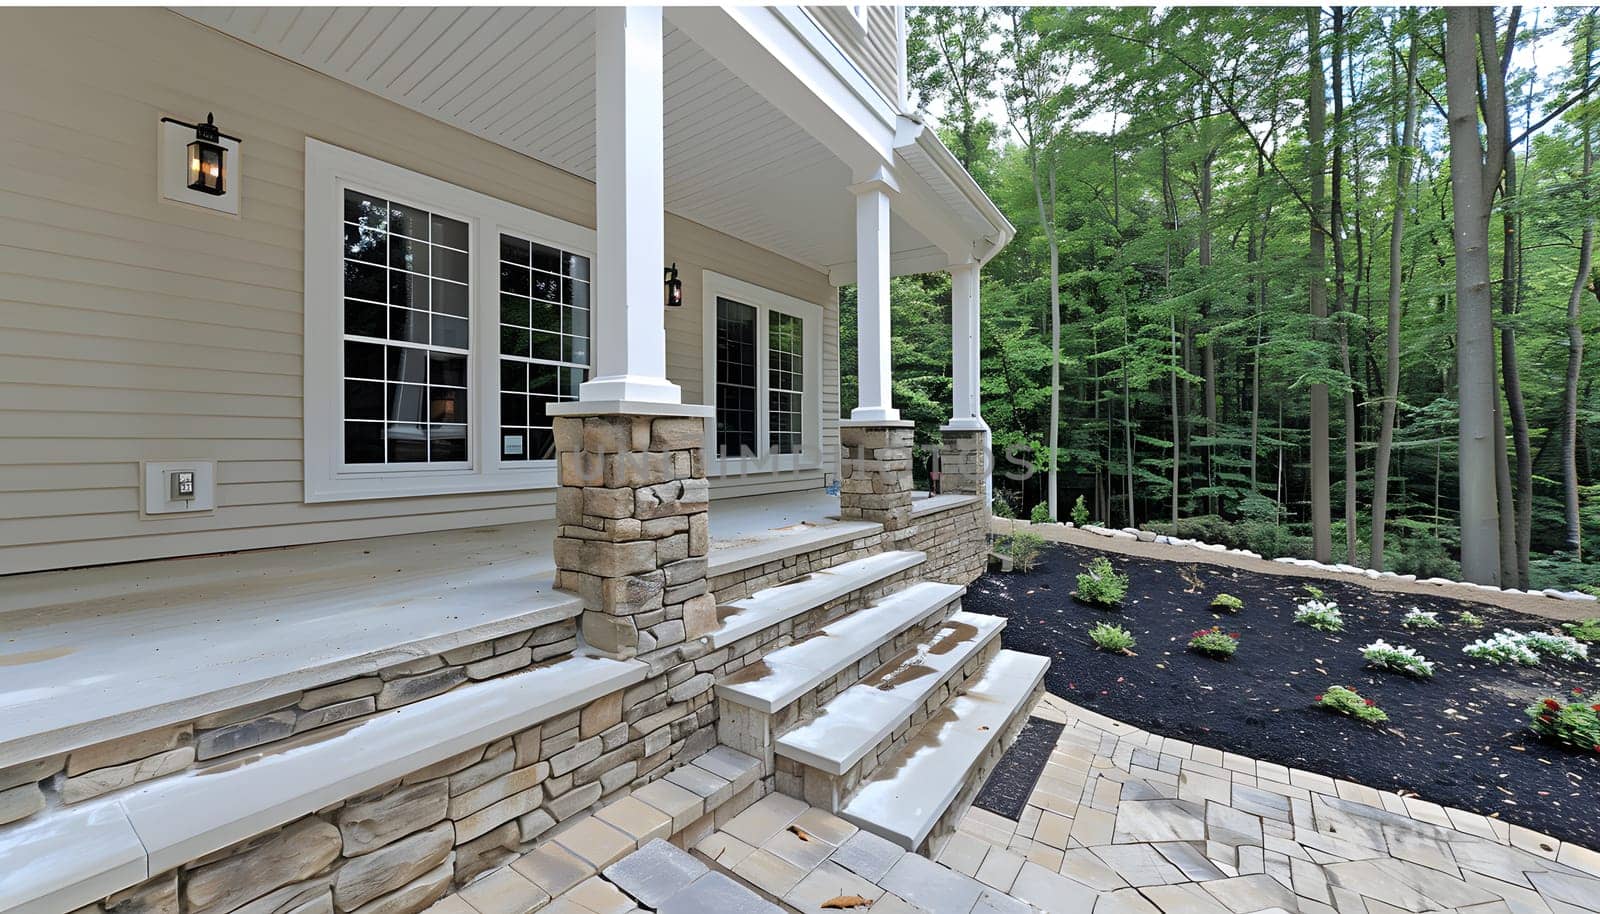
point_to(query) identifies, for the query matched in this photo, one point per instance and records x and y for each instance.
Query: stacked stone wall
(956, 541)
(227, 735)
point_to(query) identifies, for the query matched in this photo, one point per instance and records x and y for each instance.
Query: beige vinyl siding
(132, 329)
(875, 50)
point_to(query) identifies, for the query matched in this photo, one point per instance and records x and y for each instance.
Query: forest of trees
(1316, 281)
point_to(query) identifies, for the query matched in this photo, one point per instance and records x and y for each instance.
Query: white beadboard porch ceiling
(524, 78)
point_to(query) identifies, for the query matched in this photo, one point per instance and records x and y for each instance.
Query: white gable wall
(133, 330)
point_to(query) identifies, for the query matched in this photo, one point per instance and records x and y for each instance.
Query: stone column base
(964, 460)
(633, 535)
(875, 482)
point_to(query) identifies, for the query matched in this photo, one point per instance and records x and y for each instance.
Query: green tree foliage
(1177, 138)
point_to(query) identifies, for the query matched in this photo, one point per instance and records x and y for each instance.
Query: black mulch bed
(1011, 782)
(1459, 739)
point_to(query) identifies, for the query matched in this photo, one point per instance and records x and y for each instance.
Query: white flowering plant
(1504, 646)
(1385, 656)
(1560, 647)
(1421, 618)
(1321, 615)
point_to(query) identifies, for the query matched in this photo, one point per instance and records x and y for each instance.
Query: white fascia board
(915, 138)
(930, 259)
(782, 54)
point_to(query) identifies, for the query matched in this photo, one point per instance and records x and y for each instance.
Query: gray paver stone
(655, 872)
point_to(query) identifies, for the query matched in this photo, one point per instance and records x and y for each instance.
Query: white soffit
(524, 78)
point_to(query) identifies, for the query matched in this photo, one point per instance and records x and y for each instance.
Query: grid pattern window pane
(736, 378)
(786, 382)
(544, 341)
(406, 334)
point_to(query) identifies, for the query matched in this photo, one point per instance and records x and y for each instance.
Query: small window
(406, 333)
(544, 341)
(786, 382)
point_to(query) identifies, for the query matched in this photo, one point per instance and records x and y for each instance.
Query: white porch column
(964, 347)
(872, 296)
(630, 357)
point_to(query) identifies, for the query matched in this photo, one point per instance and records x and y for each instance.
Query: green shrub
(1213, 642)
(1421, 618)
(1080, 512)
(1112, 638)
(1254, 534)
(1425, 557)
(1101, 585)
(1469, 618)
(1314, 592)
(1024, 548)
(1041, 514)
(1321, 616)
(1586, 630)
(1226, 602)
(1382, 655)
(1349, 702)
(1560, 647)
(1574, 723)
(1002, 508)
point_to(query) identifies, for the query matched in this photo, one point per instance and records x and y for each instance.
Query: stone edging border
(1462, 588)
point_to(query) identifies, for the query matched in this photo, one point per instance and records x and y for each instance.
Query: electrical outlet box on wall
(161, 496)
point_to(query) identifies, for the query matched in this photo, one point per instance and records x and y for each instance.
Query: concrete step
(766, 608)
(786, 674)
(843, 743)
(943, 765)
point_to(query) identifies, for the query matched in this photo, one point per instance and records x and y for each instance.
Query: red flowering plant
(1213, 642)
(1349, 702)
(1574, 723)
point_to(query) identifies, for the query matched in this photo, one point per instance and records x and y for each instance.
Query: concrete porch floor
(97, 653)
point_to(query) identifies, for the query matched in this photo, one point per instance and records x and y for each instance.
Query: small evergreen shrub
(1315, 593)
(1226, 602)
(1426, 557)
(1587, 630)
(1574, 723)
(1421, 618)
(1321, 616)
(1023, 547)
(1349, 702)
(1113, 639)
(1080, 512)
(1469, 618)
(1002, 508)
(1213, 642)
(1101, 585)
(1382, 655)
(1504, 646)
(1041, 514)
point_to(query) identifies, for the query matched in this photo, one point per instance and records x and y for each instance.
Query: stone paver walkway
(1141, 823)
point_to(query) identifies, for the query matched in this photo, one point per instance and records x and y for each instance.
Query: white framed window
(439, 323)
(763, 378)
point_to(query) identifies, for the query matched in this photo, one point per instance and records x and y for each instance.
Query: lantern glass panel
(206, 167)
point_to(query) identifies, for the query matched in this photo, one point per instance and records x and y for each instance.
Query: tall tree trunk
(1569, 392)
(1391, 377)
(1341, 296)
(1470, 186)
(1516, 504)
(1127, 415)
(1047, 222)
(1169, 208)
(1321, 513)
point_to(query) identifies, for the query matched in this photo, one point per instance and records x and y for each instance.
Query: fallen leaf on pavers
(840, 902)
(799, 832)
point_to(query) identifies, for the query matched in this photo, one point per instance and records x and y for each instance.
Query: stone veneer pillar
(633, 536)
(964, 461)
(875, 482)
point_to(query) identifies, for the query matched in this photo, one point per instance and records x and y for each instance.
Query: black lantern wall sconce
(674, 287)
(208, 159)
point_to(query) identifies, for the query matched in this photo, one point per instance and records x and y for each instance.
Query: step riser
(951, 818)
(754, 732)
(829, 791)
(758, 644)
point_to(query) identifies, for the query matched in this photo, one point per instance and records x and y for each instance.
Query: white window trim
(329, 169)
(764, 300)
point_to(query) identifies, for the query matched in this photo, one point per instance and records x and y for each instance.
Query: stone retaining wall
(956, 541)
